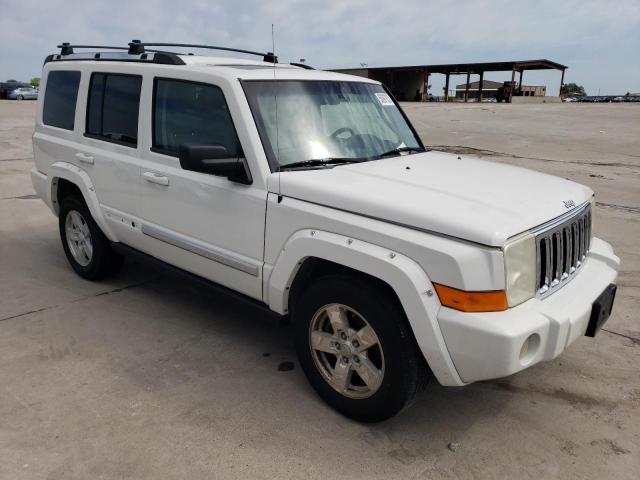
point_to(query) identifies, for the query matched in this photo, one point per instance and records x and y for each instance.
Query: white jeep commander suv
(311, 193)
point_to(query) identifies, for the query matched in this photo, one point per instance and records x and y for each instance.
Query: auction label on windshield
(384, 99)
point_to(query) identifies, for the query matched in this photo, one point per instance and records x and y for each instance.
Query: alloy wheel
(346, 351)
(78, 238)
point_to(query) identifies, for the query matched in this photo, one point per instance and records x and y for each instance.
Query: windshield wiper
(320, 162)
(400, 150)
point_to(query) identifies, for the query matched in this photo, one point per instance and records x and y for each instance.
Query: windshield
(306, 121)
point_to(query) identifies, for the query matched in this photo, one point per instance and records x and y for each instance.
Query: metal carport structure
(389, 75)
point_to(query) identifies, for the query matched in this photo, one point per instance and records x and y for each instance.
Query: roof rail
(137, 47)
(137, 51)
(302, 65)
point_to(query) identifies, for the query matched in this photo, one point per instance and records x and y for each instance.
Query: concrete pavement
(146, 377)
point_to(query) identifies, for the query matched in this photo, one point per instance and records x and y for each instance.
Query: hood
(460, 196)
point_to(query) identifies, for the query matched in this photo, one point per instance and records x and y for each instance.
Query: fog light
(529, 348)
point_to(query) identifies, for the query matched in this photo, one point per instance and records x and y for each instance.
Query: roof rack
(137, 47)
(137, 51)
(67, 53)
(67, 49)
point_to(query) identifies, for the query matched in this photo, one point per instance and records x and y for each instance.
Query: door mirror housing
(214, 159)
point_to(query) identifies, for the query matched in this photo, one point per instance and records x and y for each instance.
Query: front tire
(19, 97)
(356, 348)
(86, 247)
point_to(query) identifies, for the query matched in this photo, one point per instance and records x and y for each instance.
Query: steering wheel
(339, 131)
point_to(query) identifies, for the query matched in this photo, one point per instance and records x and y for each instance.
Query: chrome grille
(561, 248)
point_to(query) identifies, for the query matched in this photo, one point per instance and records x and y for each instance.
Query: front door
(202, 223)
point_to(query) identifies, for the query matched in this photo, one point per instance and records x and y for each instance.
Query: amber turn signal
(489, 301)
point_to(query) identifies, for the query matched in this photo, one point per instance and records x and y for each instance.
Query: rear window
(112, 112)
(60, 99)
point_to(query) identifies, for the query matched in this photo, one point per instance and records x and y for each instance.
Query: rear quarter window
(60, 97)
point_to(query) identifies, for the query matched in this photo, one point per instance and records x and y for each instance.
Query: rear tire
(19, 97)
(86, 247)
(377, 369)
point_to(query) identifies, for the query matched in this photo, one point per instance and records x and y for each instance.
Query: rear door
(202, 223)
(110, 150)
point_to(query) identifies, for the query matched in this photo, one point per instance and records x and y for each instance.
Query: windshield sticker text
(384, 99)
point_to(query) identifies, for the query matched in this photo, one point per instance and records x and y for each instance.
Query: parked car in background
(8, 87)
(23, 93)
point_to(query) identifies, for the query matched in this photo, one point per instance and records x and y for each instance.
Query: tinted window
(114, 101)
(94, 110)
(195, 113)
(60, 99)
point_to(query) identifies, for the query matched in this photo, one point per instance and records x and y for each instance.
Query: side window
(59, 108)
(194, 113)
(112, 111)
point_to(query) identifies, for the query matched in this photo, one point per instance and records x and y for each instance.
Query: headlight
(520, 269)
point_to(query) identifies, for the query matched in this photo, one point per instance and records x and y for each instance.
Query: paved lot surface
(145, 377)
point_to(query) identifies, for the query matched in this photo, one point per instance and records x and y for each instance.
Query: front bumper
(490, 345)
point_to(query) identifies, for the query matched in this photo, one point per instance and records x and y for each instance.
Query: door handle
(84, 158)
(156, 178)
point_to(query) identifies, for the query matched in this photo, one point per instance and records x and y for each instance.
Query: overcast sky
(598, 40)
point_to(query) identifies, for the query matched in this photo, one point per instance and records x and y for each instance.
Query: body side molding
(193, 246)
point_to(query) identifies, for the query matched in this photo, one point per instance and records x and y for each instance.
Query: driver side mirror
(214, 159)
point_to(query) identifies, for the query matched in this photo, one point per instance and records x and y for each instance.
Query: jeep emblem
(569, 203)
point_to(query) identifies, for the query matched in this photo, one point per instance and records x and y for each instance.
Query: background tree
(572, 89)
(11, 80)
(35, 82)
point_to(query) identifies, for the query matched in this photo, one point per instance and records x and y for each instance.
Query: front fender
(79, 177)
(409, 281)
